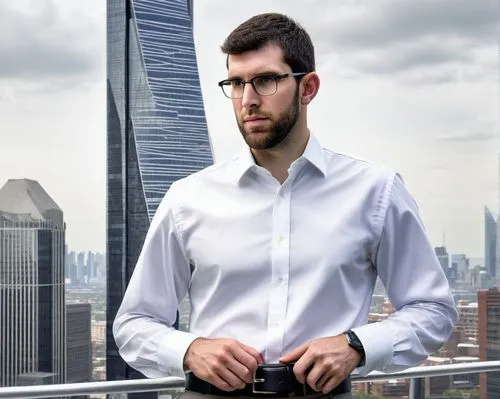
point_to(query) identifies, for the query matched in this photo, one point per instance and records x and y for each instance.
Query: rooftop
(26, 200)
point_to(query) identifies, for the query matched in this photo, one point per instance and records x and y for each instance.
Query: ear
(310, 86)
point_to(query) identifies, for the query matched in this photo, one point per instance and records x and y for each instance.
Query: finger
(321, 382)
(253, 352)
(295, 354)
(314, 377)
(245, 365)
(228, 376)
(221, 384)
(303, 366)
(330, 385)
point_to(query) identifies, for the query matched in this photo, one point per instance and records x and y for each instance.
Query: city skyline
(421, 76)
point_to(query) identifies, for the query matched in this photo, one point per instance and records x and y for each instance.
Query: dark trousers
(196, 395)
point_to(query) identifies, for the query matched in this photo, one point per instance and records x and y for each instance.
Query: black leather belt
(270, 380)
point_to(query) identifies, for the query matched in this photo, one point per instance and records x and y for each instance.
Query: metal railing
(416, 374)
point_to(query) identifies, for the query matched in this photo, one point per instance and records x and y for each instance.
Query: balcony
(170, 385)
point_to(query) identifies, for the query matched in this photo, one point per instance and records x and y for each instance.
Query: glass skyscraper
(32, 296)
(157, 131)
(490, 243)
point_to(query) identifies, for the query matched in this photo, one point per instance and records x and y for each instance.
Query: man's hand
(225, 363)
(324, 362)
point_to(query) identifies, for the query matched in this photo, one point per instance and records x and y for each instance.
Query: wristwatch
(354, 342)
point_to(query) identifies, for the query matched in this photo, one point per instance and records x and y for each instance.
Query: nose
(250, 97)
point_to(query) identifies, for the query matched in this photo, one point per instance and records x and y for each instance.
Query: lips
(254, 118)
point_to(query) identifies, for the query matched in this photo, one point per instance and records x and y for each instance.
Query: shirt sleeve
(143, 325)
(416, 285)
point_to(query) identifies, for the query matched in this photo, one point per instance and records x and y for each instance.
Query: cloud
(468, 137)
(417, 41)
(46, 40)
(32, 60)
(408, 56)
(355, 24)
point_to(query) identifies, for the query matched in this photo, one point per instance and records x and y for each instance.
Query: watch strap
(355, 343)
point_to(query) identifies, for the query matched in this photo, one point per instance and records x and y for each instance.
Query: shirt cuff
(172, 350)
(378, 345)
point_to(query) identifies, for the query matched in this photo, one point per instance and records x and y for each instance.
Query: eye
(264, 80)
(236, 83)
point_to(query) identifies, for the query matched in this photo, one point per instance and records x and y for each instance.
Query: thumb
(295, 354)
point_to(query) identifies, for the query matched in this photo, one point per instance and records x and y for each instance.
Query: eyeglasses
(264, 85)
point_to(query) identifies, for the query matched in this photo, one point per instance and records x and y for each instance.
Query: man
(279, 250)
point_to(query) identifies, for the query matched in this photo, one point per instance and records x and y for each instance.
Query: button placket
(278, 299)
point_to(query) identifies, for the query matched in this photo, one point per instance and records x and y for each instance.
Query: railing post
(417, 388)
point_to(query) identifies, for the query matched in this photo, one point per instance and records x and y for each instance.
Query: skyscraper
(444, 259)
(460, 263)
(490, 242)
(32, 298)
(157, 131)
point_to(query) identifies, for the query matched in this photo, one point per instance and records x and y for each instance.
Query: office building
(460, 263)
(157, 131)
(444, 259)
(489, 339)
(32, 296)
(467, 323)
(78, 344)
(490, 243)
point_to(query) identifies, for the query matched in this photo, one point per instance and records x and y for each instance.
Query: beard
(256, 137)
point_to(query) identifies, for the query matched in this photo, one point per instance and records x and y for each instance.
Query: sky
(413, 85)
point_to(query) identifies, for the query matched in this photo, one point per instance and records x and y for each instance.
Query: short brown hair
(263, 29)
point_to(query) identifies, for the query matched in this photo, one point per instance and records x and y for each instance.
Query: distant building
(100, 265)
(435, 386)
(490, 242)
(81, 272)
(460, 263)
(71, 268)
(73, 274)
(489, 339)
(479, 279)
(98, 329)
(467, 322)
(156, 132)
(444, 259)
(32, 289)
(90, 265)
(468, 350)
(78, 344)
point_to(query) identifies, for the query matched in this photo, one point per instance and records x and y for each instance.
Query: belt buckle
(256, 380)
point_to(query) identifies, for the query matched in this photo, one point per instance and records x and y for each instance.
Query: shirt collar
(313, 153)
(246, 162)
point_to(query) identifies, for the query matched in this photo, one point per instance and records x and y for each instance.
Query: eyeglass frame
(276, 78)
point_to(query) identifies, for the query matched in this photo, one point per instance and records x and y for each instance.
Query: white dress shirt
(277, 265)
